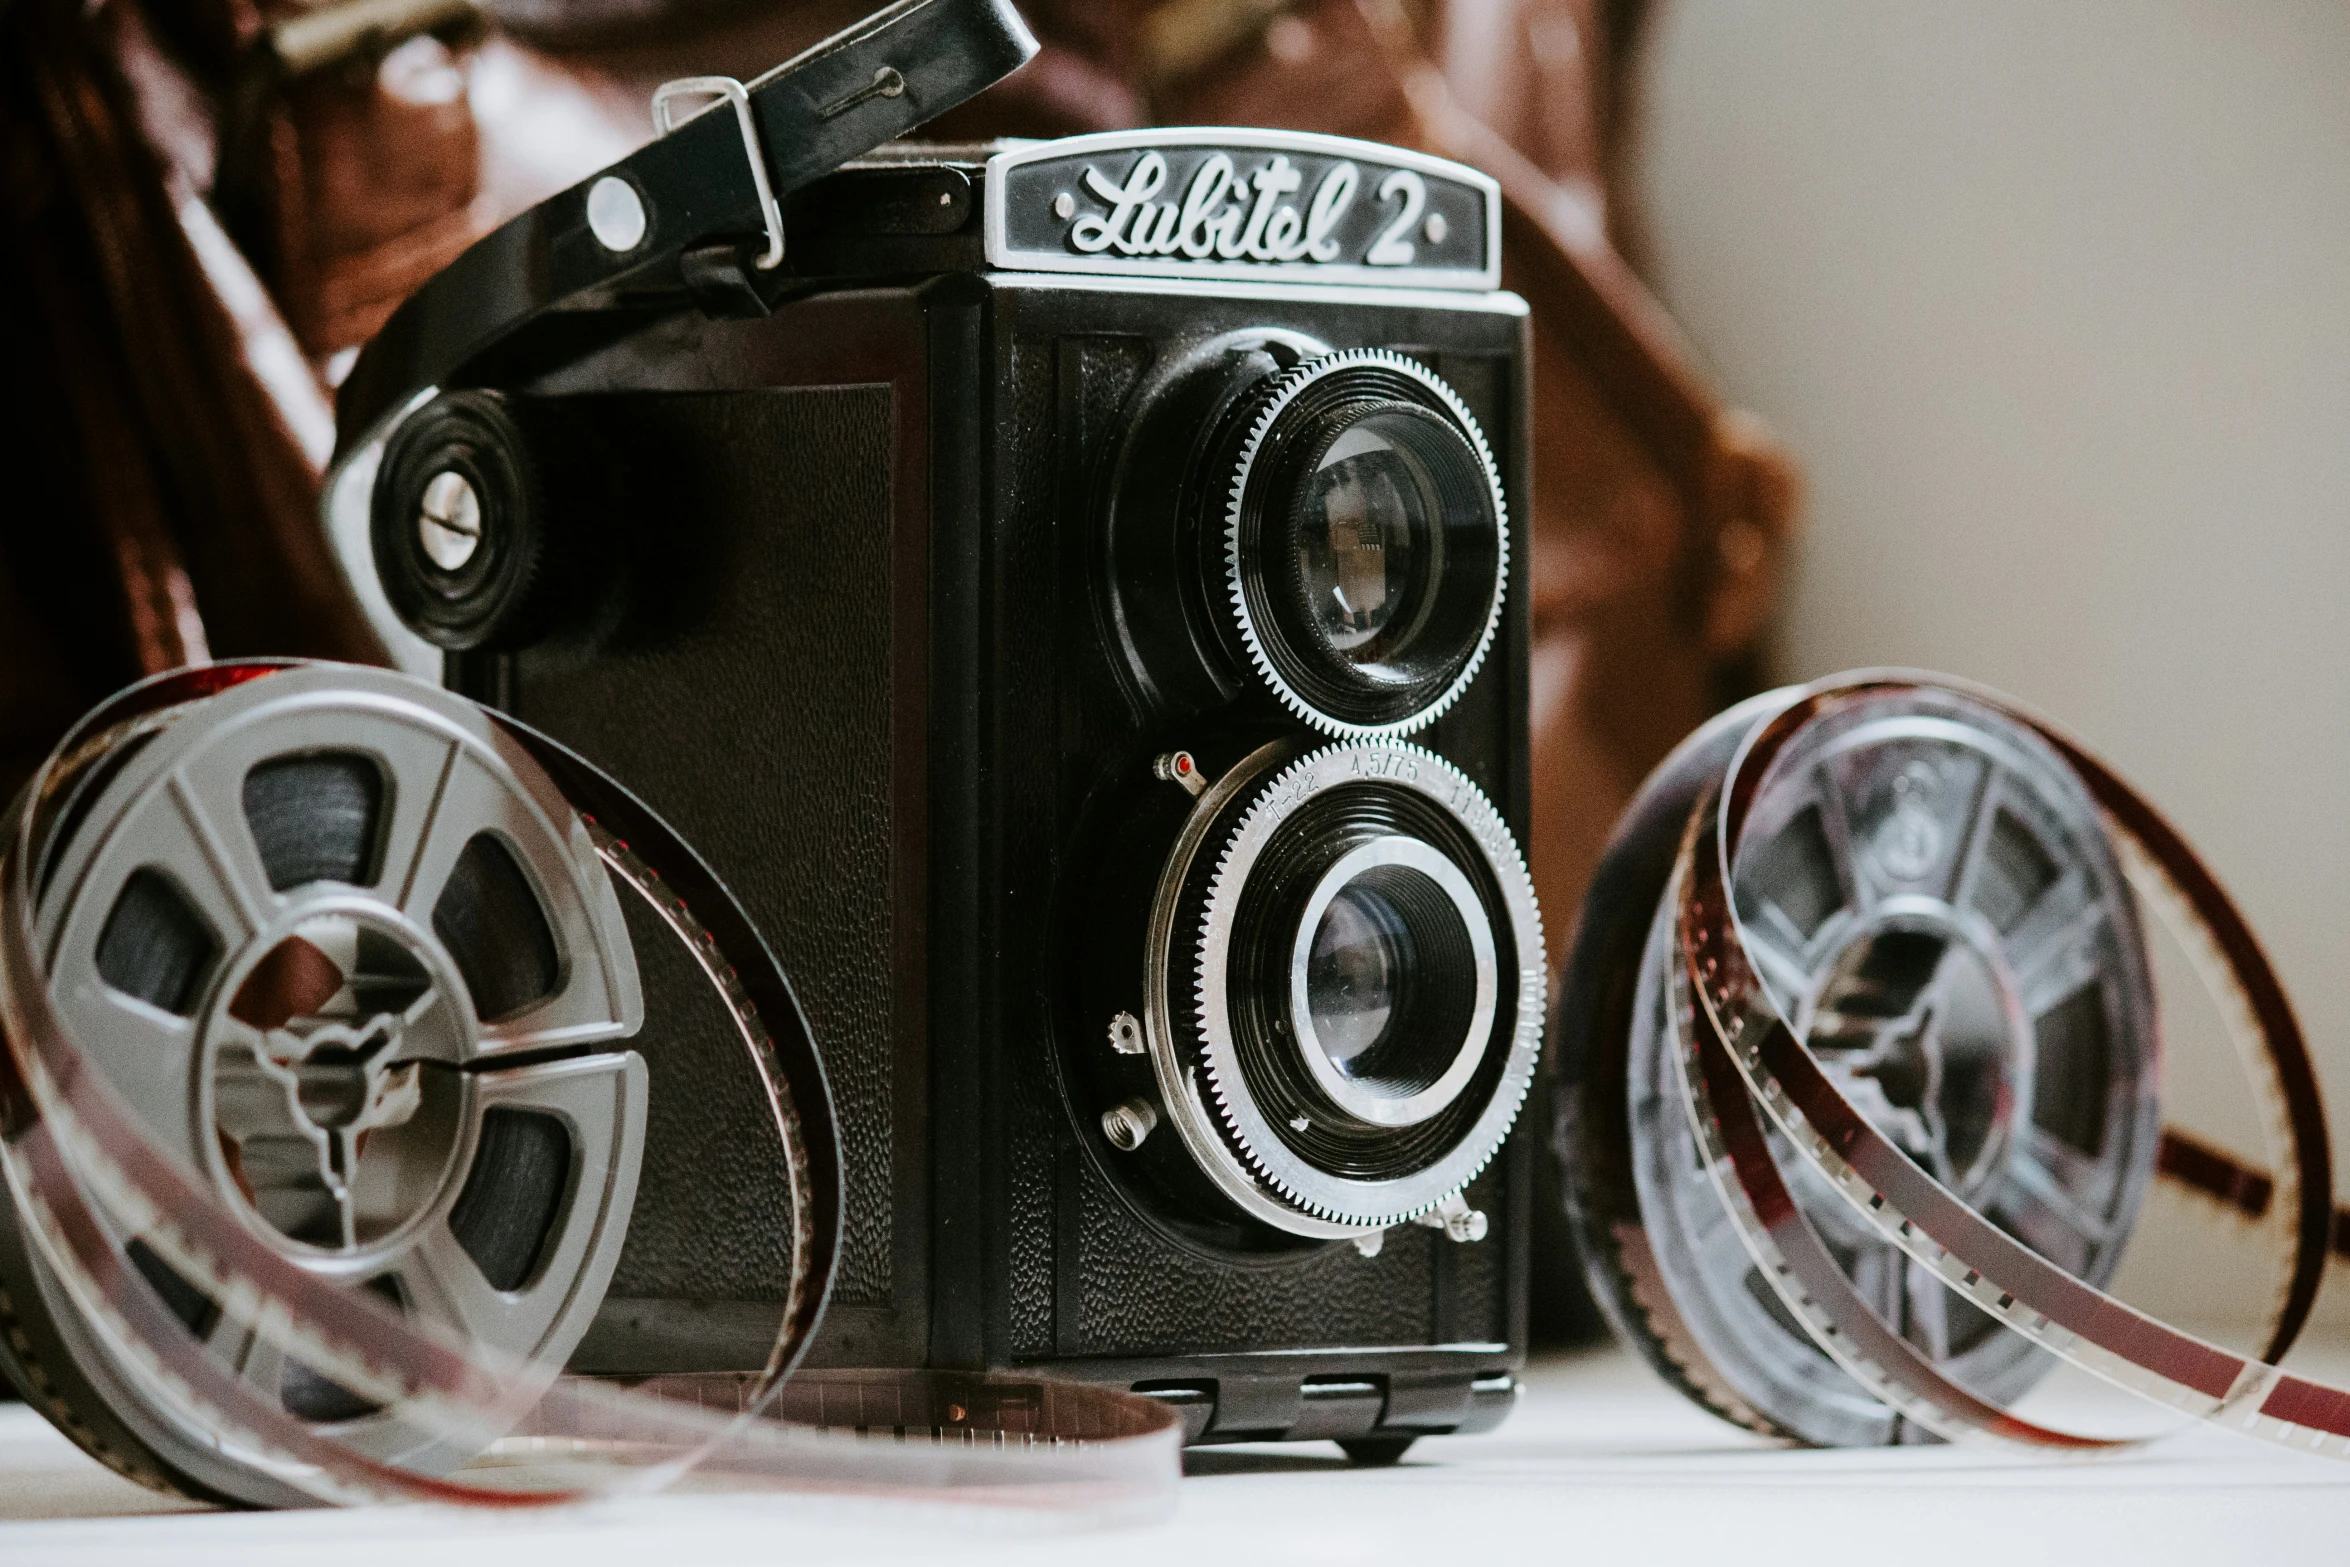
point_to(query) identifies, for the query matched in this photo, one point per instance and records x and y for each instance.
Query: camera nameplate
(1209, 202)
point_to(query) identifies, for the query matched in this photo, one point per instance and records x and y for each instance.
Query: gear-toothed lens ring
(1266, 1037)
(1364, 477)
(1286, 1124)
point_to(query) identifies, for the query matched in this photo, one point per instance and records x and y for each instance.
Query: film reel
(322, 1122)
(346, 951)
(1888, 920)
(1893, 880)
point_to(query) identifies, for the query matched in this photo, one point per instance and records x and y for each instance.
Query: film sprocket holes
(319, 1145)
(1877, 941)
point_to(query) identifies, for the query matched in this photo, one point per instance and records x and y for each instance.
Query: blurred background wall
(2053, 304)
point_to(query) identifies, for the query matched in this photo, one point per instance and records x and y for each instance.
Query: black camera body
(1073, 608)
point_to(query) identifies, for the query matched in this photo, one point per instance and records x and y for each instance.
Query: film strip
(1841, 1054)
(212, 1284)
(236, 1279)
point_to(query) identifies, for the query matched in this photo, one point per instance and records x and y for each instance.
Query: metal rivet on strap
(616, 214)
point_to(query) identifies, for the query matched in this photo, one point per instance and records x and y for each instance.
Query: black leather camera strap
(699, 195)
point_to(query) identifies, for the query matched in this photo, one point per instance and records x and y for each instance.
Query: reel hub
(334, 1076)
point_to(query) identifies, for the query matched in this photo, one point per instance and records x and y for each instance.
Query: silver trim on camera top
(1228, 203)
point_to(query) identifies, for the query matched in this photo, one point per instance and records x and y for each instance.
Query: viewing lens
(1369, 559)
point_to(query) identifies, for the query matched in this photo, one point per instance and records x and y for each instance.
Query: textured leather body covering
(739, 673)
(848, 644)
(1090, 1274)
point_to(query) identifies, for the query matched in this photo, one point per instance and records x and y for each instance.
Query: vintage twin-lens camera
(1072, 598)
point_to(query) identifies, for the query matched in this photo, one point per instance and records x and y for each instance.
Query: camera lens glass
(1392, 545)
(1361, 952)
(1352, 999)
(1370, 540)
(1391, 980)
(1390, 987)
(1392, 983)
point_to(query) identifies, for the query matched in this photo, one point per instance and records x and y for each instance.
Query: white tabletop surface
(1600, 1463)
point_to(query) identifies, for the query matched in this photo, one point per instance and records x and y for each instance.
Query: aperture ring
(1307, 1196)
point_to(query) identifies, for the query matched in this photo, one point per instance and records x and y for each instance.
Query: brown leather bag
(165, 431)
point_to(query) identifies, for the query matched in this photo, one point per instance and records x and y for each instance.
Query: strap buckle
(726, 87)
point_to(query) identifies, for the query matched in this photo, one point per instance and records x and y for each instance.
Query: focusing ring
(1340, 702)
(1235, 1084)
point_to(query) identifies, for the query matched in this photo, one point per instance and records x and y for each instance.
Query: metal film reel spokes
(1935, 904)
(1747, 1067)
(345, 949)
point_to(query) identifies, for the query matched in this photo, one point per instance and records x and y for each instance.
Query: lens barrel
(1365, 543)
(1344, 985)
(1326, 527)
(1392, 982)
(1407, 1094)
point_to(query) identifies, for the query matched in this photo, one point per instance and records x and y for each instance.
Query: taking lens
(1392, 983)
(1345, 984)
